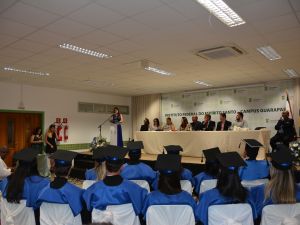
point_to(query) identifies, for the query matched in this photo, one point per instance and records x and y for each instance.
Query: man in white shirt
(4, 171)
(240, 122)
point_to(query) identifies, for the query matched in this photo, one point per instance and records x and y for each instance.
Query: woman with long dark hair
(50, 140)
(156, 125)
(36, 139)
(116, 128)
(146, 125)
(185, 126)
(229, 189)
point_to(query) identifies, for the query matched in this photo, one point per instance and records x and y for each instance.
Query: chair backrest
(87, 183)
(253, 183)
(207, 185)
(281, 214)
(58, 214)
(170, 215)
(143, 184)
(116, 214)
(16, 214)
(186, 185)
(232, 214)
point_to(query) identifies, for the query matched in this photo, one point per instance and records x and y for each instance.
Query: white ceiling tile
(4, 4)
(18, 54)
(295, 4)
(6, 40)
(283, 36)
(29, 46)
(99, 38)
(125, 46)
(15, 29)
(46, 37)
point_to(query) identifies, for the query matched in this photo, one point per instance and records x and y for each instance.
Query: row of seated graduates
(37, 190)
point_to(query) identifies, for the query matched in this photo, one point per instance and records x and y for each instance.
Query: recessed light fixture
(159, 71)
(291, 73)
(202, 83)
(269, 53)
(84, 51)
(11, 69)
(223, 12)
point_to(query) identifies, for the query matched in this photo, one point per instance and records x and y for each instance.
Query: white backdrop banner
(262, 104)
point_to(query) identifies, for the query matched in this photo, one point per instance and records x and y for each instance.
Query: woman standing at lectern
(116, 128)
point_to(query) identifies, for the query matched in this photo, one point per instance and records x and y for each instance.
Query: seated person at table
(211, 168)
(169, 125)
(281, 189)
(169, 189)
(146, 125)
(113, 189)
(134, 169)
(196, 125)
(25, 183)
(4, 170)
(229, 189)
(223, 124)
(60, 191)
(208, 124)
(156, 125)
(255, 169)
(185, 126)
(239, 121)
(99, 171)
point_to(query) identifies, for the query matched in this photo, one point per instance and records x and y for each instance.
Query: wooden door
(16, 130)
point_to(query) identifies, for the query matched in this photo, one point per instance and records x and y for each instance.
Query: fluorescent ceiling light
(159, 71)
(223, 12)
(269, 53)
(11, 69)
(84, 51)
(202, 83)
(291, 73)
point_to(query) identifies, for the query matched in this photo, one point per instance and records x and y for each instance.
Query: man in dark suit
(196, 125)
(208, 124)
(286, 131)
(223, 124)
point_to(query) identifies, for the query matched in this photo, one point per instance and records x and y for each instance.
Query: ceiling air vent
(220, 52)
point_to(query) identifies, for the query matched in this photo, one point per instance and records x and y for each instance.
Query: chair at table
(186, 185)
(142, 183)
(116, 214)
(253, 183)
(16, 214)
(170, 215)
(232, 214)
(53, 213)
(87, 183)
(281, 214)
(207, 185)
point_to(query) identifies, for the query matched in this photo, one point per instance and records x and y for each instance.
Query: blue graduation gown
(199, 178)
(90, 174)
(100, 195)
(67, 194)
(255, 169)
(214, 197)
(140, 171)
(159, 198)
(32, 188)
(258, 196)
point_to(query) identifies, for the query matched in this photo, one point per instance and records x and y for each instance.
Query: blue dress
(159, 198)
(90, 174)
(255, 169)
(67, 194)
(140, 171)
(100, 195)
(214, 197)
(199, 178)
(258, 195)
(32, 188)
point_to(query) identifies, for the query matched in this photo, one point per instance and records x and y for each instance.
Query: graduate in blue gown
(134, 169)
(281, 189)
(60, 191)
(113, 189)
(25, 183)
(211, 168)
(255, 169)
(229, 189)
(99, 171)
(169, 190)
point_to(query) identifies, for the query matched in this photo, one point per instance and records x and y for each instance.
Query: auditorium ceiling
(167, 33)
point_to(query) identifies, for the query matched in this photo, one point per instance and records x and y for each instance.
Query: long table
(193, 142)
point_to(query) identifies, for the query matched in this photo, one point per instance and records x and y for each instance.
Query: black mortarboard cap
(211, 154)
(99, 154)
(168, 164)
(282, 159)
(231, 160)
(63, 158)
(135, 146)
(252, 143)
(173, 149)
(114, 154)
(27, 155)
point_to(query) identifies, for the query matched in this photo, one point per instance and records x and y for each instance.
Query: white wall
(64, 103)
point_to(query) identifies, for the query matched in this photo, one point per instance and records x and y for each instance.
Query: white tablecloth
(193, 142)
